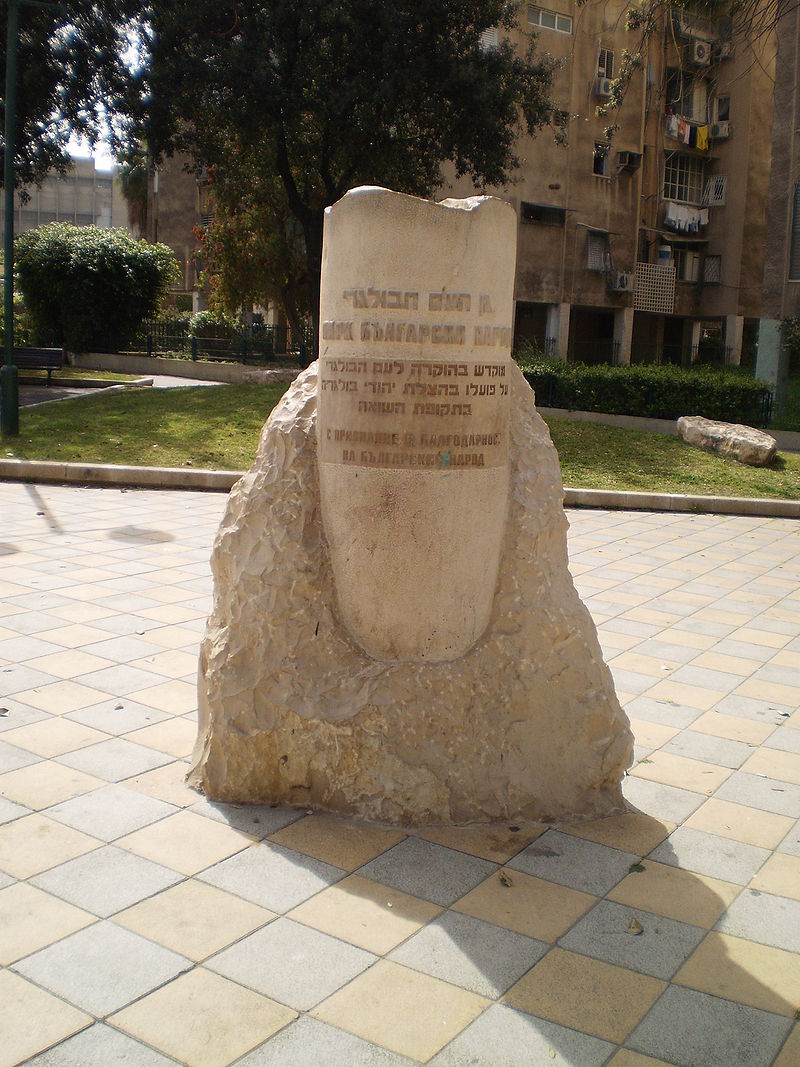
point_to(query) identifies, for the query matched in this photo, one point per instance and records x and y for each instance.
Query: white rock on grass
(742, 443)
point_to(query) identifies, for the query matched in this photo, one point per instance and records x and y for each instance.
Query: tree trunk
(313, 236)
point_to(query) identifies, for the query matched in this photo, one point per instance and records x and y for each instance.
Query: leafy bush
(655, 392)
(214, 324)
(89, 287)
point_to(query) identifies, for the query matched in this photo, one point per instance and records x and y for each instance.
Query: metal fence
(259, 343)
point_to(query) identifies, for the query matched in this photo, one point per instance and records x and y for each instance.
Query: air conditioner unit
(720, 131)
(701, 53)
(620, 281)
(629, 160)
(602, 86)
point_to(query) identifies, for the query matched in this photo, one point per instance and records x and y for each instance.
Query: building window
(722, 109)
(549, 20)
(543, 213)
(794, 244)
(600, 159)
(598, 251)
(712, 270)
(687, 263)
(686, 96)
(683, 178)
(490, 39)
(605, 63)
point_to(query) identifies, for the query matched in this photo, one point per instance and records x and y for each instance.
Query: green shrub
(91, 288)
(214, 324)
(655, 392)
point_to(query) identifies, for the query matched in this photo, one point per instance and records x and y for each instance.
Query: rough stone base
(526, 724)
(742, 443)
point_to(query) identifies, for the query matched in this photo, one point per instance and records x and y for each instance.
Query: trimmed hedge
(655, 392)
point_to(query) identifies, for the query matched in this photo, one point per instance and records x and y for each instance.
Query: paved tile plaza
(142, 925)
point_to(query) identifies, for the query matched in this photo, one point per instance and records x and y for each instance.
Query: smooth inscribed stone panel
(413, 416)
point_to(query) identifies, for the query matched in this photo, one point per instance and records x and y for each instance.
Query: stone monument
(395, 632)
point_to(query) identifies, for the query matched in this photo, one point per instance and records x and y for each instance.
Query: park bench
(48, 359)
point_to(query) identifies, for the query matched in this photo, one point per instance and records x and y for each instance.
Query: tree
(339, 93)
(91, 287)
(252, 250)
(72, 78)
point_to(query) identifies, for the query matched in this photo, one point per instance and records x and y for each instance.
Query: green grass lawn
(79, 372)
(219, 428)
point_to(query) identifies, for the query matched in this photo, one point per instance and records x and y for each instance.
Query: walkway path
(142, 924)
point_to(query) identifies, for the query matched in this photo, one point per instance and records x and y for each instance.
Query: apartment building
(635, 247)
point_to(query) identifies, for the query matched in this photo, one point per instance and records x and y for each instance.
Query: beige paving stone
(168, 595)
(166, 783)
(80, 612)
(651, 734)
(186, 842)
(785, 766)
(740, 823)
(687, 639)
(53, 736)
(651, 616)
(691, 898)
(402, 1010)
(779, 875)
(46, 783)
(680, 771)
(693, 696)
(732, 727)
(174, 636)
(172, 664)
(59, 698)
(586, 994)
(496, 843)
(31, 919)
(35, 843)
(635, 661)
(632, 832)
(33, 1020)
(340, 842)
(620, 641)
(716, 661)
(175, 736)
(770, 691)
(794, 721)
(174, 697)
(194, 919)
(373, 916)
(789, 1055)
(69, 664)
(728, 618)
(169, 613)
(764, 638)
(203, 1020)
(75, 635)
(529, 905)
(744, 971)
(626, 1058)
(786, 658)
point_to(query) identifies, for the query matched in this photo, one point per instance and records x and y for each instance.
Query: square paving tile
(403, 1010)
(719, 857)
(311, 1043)
(790, 1053)
(101, 1046)
(632, 832)
(528, 905)
(174, 697)
(12, 757)
(775, 764)
(118, 715)
(273, 877)
(660, 801)
(31, 919)
(780, 876)
(503, 1035)
(783, 798)
(33, 1020)
(732, 727)
(585, 994)
(689, 1028)
(709, 749)
(69, 664)
(342, 843)
(102, 967)
(174, 736)
(685, 896)
(744, 971)
(763, 917)
(495, 843)
(106, 880)
(203, 1020)
(167, 783)
(656, 945)
(680, 772)
(194, 919)
(291, 963)
(426, 870)
(45, 783)
(186, 841)
(753, 826)
(58, 698)
(259, 820)
(368, 914)
(35, 843)
(115, 759)
(110, 812)
(574, 862)
(9, 811)
(53, 736)
(468, 952)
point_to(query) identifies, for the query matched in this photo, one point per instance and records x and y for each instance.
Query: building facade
(645, 245)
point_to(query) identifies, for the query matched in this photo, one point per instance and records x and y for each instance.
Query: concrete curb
(29, 470)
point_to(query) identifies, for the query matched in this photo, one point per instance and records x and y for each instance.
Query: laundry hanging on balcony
(685, 219)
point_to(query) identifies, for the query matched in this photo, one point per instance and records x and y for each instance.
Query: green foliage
(790, 328)
(212, 324)
(656, 392)
(91, 288)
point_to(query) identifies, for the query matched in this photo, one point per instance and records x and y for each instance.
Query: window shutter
(490, 39)
(715, 192)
